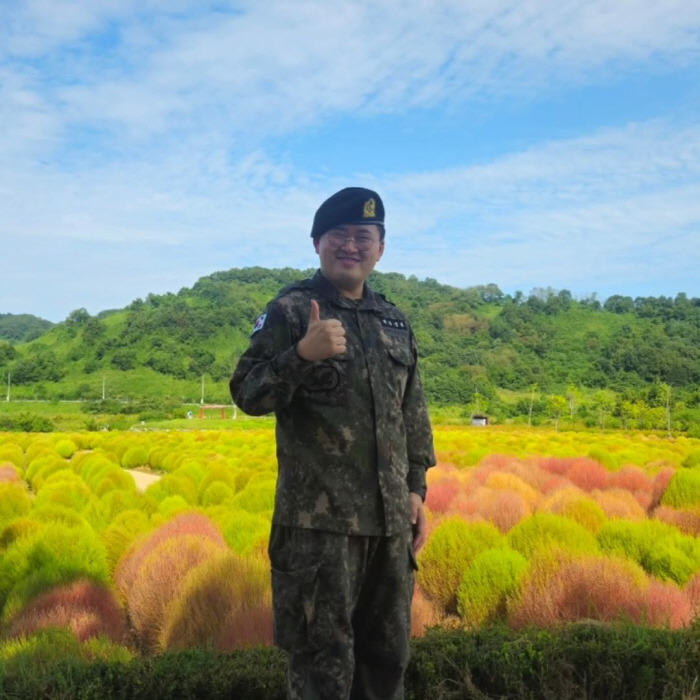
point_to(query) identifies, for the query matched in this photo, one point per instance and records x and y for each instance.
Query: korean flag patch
(259, 323)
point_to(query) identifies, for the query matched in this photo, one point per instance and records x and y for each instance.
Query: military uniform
(353, 439)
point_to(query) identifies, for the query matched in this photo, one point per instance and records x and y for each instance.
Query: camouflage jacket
(353, 435)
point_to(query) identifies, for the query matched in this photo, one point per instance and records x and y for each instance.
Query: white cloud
(140, 132)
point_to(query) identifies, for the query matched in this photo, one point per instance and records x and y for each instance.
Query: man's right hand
(323, 339)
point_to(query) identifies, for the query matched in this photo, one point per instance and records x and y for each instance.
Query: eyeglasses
(339, 239)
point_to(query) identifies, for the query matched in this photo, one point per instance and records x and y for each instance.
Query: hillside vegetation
(546, 355)
(21, 328)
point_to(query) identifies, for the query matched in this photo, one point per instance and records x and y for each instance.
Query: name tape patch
(394, 324)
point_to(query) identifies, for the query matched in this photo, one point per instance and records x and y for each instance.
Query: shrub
(510, 482)
(243, 531)
(15, 529)
(424, 614)
(687, 521)
(440, 495)
(15, 502)
(691, 460)
(546, 531)
(52, 556)
(683, 491)
(225, 603)
(505, 509)
(158, 581)
(9, 473)
(588, 474)
(65, 448)
(126, 527)
(489, 581)
(619, 504)
(447, 554)
(258, 497)
(36, 656)
(659, 548)
(195, 524)
(41, 468)
(88, 609)
(64, 488)
(10, 452)
(572, 503)
(666, 606)
(217, 492)
(135, 456)
(661, 481)
(570, 588)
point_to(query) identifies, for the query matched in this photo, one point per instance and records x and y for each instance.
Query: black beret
(352, 205)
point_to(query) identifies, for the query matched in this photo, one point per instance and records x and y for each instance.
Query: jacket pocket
(294, 606)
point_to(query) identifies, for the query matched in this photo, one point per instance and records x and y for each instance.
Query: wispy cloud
(141, 140)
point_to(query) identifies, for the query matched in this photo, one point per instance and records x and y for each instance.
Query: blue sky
(144, 144)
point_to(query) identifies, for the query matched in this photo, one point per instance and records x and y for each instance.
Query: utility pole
(103, 387)
(201, 401)
(8, 387)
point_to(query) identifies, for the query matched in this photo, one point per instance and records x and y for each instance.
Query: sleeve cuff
(290, 366)
(416, 481)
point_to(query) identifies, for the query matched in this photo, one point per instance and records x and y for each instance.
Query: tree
(557, 405)
(533, 389)
(573, 399)
(603, 403)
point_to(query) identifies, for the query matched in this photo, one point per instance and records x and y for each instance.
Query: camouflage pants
(342, 608)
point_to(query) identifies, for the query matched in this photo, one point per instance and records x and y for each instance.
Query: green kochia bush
(659, 548)
(545, 530)
(492, 577)
(53, 555)
(14, 502)
(449, 551)
(683, 491)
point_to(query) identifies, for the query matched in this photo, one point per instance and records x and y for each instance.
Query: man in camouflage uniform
(337, 363)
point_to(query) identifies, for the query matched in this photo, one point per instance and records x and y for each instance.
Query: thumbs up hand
(323, 339)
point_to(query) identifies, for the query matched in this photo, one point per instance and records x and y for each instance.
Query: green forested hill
(479, 346)
(21, 328)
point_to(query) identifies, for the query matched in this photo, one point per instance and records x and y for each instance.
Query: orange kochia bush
(151, 574)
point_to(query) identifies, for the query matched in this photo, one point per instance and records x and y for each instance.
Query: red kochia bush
(8, 473)
(440, 495)
(564, 589)
(88, 609)
(661, 481)
(687, 521)
(587, 474)
(158, 582)
(665, 605)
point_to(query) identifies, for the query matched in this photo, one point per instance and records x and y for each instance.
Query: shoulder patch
(259, 323)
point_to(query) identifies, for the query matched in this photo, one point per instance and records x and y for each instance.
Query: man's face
(347, 264)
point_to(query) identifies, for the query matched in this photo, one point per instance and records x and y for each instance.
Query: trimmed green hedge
(582, 661)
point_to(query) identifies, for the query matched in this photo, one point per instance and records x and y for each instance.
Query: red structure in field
(223, 408)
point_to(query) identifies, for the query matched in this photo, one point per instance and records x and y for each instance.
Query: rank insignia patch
(394, 324)
(259, 323)
(370, 209)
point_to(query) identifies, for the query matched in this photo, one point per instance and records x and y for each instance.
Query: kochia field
(526, 527)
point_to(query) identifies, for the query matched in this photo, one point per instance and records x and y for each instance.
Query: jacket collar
(329, 291)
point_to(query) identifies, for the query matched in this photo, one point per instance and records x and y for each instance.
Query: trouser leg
(314, 586)
(382, 620)
(342, 612)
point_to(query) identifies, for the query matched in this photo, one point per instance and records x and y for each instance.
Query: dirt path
(143, 479)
